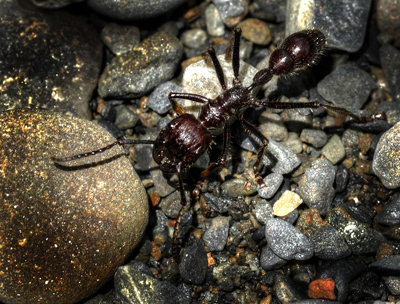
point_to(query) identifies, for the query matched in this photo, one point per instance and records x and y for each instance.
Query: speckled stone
(65, 227)
(49, 59)
(137, 72)
(386, 162)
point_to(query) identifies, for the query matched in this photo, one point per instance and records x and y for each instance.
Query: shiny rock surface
(63, 226)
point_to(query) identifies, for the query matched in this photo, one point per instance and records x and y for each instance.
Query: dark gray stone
(269, 260)
(347, 86)
(134, 9)
(390, 60)
(193, 265)
(390, 214)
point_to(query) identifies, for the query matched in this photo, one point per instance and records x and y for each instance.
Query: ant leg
(217, 66)
(174, 247)
(316, 105)
(236, 54)
(215, 166)
(233, 53)
(119, 142)
(188, 96)
(287, 105)
(359, 118)
(252, 130)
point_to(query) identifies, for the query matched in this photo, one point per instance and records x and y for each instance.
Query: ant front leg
(174, 248)
(252, 130)
(193, 97)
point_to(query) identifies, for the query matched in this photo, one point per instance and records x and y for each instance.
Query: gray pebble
(293, 143)
(272, 183)
(132, 286)
(215, 26)
(386, 162)
(120, 38)
(316, 138)
(360, 238)
(390, 214)
(54, 3)
(387, 266)
(126, 118)
(135, 73)
(230, 10)
(390, 60)
(272, 10)
(347, 86)
(193, 265)
(263, 211)
(99, 299)
(269, 260)
(161, 183)
(295, 121)
(272, 126)
(194, 38)
(133, 9)
(171, 205)
(316, 185)
(283, 160)
(217, 234)
(328, 243)
(286, 241)
(334, 150)
(158, 99)
(392, 110)
(238, 187)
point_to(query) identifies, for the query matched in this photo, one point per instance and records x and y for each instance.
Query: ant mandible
(183, 140)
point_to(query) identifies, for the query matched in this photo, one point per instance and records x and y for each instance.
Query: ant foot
(199, 186)
(260, 180)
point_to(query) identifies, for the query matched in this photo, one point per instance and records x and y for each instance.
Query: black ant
(183, 140)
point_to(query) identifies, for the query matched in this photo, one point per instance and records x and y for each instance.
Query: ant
(184, 139)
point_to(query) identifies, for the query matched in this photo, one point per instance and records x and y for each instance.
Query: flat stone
(65, 226)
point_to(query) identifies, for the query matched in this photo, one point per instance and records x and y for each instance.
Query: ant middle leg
(174, 246)
(252, 130)
(215, 166)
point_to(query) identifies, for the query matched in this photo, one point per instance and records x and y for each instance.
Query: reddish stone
(322, 289)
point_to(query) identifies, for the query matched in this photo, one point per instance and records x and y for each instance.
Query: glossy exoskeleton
(183, 140)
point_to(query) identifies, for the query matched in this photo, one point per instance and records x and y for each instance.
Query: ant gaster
(183, 140)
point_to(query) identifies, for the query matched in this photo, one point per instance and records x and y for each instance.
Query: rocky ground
(325, 229)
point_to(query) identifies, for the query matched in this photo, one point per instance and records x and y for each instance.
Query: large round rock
(64, 227)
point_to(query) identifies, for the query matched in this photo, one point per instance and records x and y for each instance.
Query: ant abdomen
(299, 50)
